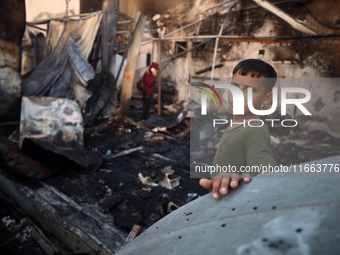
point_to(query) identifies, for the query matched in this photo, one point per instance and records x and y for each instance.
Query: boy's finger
(224, 186)
(246, 177)
(206, 183)
(234, 182)
(216, 187)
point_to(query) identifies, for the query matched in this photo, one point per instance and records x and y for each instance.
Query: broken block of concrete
(167, 178)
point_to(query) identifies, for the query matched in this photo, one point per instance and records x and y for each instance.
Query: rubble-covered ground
(115, 186)
(15, 235)
(295, 145)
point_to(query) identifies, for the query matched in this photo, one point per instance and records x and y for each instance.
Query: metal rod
(126, 16)
(276, 3)
(279, 39)
(218, 5)
(152, 52)
(125, 22)
(217, 39)
(285, 16)
(183, 52)
(231, 37)
(129, 31)
(196, 46)
(159, 77)
(43, 29)
(195, 22)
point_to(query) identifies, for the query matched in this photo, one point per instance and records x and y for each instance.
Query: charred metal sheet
(82, 72)
(83, 31)
(166, 121)
(40, 81)
(63, 74)
(104, 91)
(20, 163)
(55, 125)
(276, 213)
(33, 49)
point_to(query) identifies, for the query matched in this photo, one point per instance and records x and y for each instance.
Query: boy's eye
(253, 89)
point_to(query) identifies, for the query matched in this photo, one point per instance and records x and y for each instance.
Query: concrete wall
(306, 59)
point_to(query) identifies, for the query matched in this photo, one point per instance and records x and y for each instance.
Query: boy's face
(260, 94)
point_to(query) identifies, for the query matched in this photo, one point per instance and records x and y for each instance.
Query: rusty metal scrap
(55, 126)
(135, 231)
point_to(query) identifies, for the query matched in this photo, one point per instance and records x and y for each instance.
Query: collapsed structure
(80, 69)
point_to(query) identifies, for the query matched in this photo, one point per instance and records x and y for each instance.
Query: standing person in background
(148, 86)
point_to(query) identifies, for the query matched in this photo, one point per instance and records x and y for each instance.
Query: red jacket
(149, 79)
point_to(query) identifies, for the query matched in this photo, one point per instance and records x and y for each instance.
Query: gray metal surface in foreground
(275, 215)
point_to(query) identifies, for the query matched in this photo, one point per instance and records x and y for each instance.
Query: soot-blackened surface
(115, 185)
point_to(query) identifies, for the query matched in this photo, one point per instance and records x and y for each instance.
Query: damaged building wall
(303, 58)
(307, 59)
(164, 17)
(296, 58)
(37, 10)
(151, 7)
(11, 12)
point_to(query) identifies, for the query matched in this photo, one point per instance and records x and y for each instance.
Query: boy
(242, 144)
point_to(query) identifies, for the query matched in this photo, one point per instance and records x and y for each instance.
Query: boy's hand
(220, 184)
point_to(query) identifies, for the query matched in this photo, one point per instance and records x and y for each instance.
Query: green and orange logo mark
(208, 92)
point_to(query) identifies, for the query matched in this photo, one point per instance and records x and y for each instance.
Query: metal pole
(129, 74)
(237, 38)
(153, 51)
(159, 76)
(218, 5)
(216, 41)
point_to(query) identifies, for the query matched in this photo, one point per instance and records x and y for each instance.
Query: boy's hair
(259, 69)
